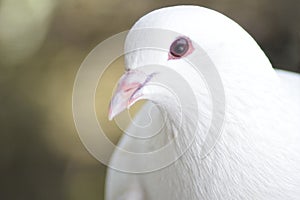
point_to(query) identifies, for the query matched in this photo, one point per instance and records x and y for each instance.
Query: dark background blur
(42, 44)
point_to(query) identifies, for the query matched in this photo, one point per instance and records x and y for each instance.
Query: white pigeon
(256, 156)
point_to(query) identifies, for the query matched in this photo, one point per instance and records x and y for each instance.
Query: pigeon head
(170, 51)
(229, 129)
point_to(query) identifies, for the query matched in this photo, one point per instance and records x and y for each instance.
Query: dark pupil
(179, 47)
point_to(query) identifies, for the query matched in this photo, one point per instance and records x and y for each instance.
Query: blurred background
(42, 44)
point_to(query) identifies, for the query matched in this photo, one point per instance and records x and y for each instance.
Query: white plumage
(258, 154)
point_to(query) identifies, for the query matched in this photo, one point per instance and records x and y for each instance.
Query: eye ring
(182, 46)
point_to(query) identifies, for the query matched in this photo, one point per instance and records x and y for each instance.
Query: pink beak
(128, 91)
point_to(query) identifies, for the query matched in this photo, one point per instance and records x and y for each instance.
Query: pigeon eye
(179, 47)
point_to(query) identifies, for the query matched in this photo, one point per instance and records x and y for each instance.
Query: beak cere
(128, 91)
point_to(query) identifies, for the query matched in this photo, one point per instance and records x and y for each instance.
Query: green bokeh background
(42, 44)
